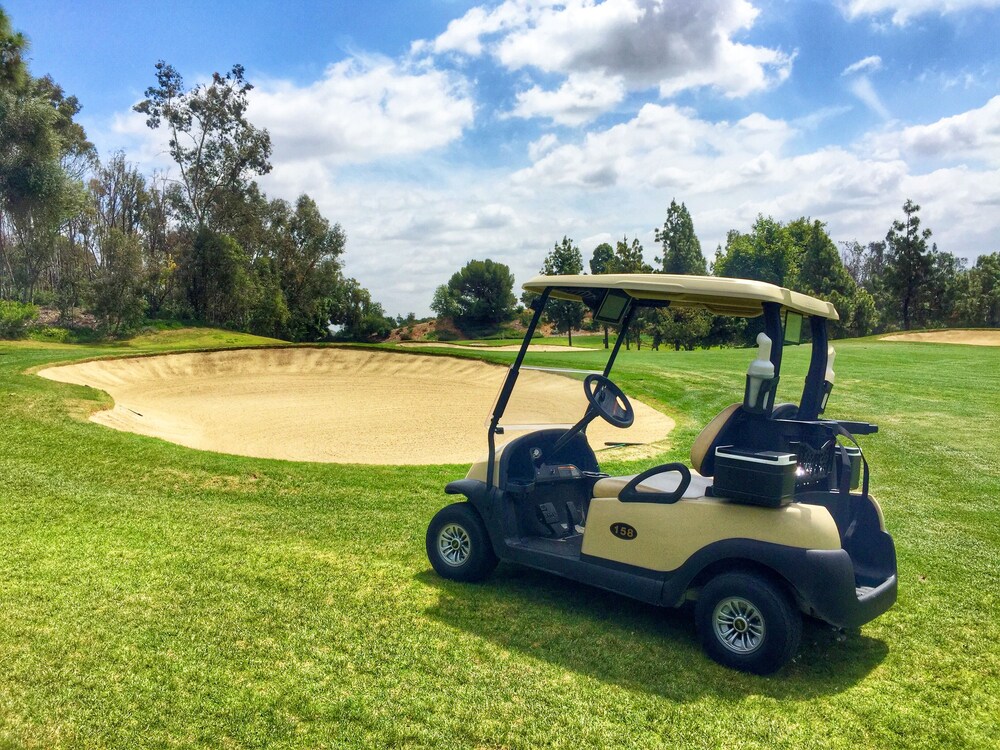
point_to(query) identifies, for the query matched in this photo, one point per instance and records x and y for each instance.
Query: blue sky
(440, 131)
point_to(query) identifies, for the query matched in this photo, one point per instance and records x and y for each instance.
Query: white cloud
(973, 135)
(872, 62)
(646, 43)
(363, 109)
(538, 149)
(862, 88)
(581, 98)
(663, 146)
(904, 10)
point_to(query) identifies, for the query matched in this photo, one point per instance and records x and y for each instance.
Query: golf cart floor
(565, 547)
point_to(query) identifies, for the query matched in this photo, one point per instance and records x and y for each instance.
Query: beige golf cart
(771, 520)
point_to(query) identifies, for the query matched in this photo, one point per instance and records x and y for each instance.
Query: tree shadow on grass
(634, 645)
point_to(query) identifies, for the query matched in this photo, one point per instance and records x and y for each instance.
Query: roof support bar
(775, 332)
(622, 332)
(812, 393)
(508, 384)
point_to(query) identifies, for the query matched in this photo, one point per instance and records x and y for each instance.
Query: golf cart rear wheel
(458, 545)
(747, 622)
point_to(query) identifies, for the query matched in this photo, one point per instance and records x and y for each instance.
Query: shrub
(51, 335)
(15, 317)
(443, 335)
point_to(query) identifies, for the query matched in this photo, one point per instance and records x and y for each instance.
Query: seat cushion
(703, 443)
(668, 481)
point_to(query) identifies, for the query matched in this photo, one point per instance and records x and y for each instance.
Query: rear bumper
(828, 590)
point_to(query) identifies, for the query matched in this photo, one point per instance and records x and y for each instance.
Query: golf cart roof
(740, 297)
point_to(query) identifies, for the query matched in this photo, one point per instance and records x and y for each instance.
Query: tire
(458, 544)
(748, 623)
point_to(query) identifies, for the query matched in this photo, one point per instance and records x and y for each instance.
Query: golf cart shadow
(635, 645)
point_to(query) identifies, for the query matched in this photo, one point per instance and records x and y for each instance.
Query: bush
(444, 335)
(51, 335)
(15, 317)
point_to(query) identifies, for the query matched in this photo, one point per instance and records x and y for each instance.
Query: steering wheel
(609, 401)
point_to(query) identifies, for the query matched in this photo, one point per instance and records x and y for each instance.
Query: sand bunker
(504, 348)
(982, 337)
(334, 405)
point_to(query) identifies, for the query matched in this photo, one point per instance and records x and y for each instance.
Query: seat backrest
(733, 425)
(705, 444)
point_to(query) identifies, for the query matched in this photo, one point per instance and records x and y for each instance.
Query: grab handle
(630, 493)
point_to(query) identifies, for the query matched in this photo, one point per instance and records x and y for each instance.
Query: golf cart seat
(723, 430)
(669, 481)
(716, 433)
(665, 482)
(710, 438)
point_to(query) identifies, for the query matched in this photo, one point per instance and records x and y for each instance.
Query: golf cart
(773, 519)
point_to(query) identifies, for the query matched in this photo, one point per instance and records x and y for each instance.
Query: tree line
(901, 282)
(208, 247)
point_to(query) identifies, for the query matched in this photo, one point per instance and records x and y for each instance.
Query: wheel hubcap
(454, 545)
(738, 625)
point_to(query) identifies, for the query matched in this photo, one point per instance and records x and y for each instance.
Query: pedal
(547, 511)
(548, 516)
(574, 514)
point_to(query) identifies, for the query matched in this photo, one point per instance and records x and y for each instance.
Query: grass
(152, 595)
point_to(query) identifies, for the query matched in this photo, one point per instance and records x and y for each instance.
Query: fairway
(332, 404)
(155, 595)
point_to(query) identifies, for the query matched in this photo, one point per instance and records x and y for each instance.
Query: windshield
(550, 395)
(543, 397)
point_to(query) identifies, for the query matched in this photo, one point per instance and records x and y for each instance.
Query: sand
(980, 337)
(335, 405)
(504, 348)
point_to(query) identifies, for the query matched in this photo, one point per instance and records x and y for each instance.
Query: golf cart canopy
(738, 297)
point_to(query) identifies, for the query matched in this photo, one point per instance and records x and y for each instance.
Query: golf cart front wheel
(458, 544)
(747, 622)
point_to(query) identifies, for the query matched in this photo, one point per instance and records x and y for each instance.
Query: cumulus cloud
(872, 62)
(581, 98)
(904, 10)
(664, 147)
(643, 43)
(972, 135)
(538, 149)
(363, 109)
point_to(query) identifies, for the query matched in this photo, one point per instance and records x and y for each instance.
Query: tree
(445, 304)
(628, 258)
(681, 248)
(13, 45)
(359, 317)
(217, 280)
(599, 263)
(308, 266)
(483, 293)
(682, 327)
(216, 148)
(118, 299)
(764, 254)
(37, 193)
(908, 266)
(820, 271)
(565, 259)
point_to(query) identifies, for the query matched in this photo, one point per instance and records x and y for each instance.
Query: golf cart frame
(668, 535)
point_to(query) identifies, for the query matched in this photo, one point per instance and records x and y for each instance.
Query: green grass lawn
(152, 595)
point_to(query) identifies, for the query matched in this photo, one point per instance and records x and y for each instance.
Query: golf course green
(153, 595)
